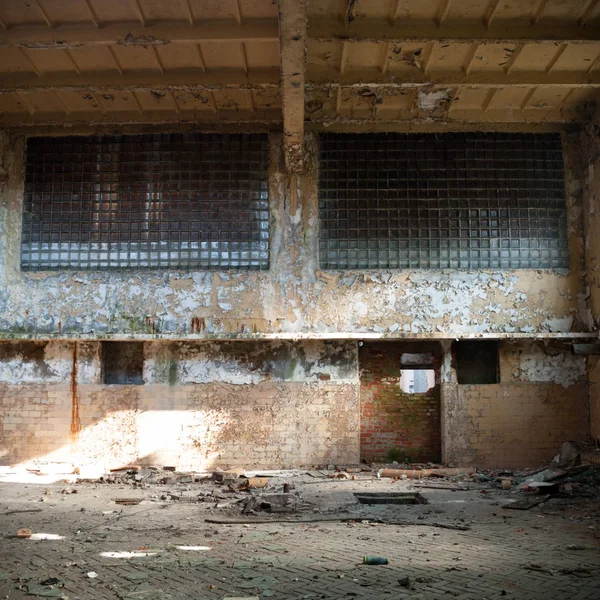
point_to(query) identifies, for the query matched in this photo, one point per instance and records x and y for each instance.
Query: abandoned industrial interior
(300, 299)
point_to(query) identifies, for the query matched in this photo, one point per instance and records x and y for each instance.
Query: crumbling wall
(590, 160)
(294, 297)
(540, 402)
(267, 404)
(395, 425)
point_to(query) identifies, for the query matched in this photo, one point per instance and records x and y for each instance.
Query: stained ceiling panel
(578, 57)
(362, 56)
(262, 54)
(537, 57)
(229, 55)
(58, 12)
(408, 58)
(13, 60)
(137, 58)
(179, 56)
(114, 11)
(233, 9)
(196, 100)
(159, 10)
(95, 58)
(11, 103)
(449, 57)
(52, 61)
(20, 12)
(492, 57)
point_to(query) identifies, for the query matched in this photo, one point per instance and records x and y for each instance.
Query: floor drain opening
(383, 498)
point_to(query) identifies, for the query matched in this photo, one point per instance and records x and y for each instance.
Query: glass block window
(452, 200)
(166, 201)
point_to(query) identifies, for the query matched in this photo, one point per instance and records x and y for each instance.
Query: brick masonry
(394, 423)
(283, 404)
(191, 426)
(256, 404)
(522, 421)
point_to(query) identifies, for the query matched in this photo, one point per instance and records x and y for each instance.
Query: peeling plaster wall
(590, 159)
(540, 402)
(294, 296)
(263, 404)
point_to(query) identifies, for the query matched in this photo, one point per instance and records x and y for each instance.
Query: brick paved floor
(546, 553)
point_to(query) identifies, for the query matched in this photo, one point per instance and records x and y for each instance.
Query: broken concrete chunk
(569, 455)
(276, 503)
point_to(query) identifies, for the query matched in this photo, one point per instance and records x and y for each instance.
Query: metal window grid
(157, 201)
(451, 200)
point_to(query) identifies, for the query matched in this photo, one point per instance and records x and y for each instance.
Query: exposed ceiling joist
(475, 122)
(292, 35)
(513, 32)
(133, 33)
(331, 77)
(155, 117)
(419, 124)
(142, 80)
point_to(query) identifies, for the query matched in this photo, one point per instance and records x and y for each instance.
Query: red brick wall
(391, 419)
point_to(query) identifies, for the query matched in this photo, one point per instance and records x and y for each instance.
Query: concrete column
(448, 400)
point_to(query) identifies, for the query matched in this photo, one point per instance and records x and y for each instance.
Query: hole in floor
(391, 498)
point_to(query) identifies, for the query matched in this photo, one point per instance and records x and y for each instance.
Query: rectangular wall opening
(477, 362)
(400, 402)
(123, 363)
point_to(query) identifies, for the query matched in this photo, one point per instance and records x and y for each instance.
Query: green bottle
(375, 560)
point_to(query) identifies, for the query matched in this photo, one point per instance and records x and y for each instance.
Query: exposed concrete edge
(545, 335)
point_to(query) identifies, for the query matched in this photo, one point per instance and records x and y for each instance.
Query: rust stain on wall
(75, 419)
(198, 325)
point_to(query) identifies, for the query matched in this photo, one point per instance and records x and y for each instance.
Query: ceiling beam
(319, 78)
(472, 120)
(199, 118)
(134, 33)
(421, 124)
(407, 31)
(192, 79)
(292, 36)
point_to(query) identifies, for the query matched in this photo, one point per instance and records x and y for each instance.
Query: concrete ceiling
(324, 64)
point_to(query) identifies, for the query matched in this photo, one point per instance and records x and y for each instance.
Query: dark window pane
(437, 201)
(146, 201)
(123, 363)
(476, 362)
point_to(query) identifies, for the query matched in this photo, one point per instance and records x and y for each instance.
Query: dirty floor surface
(164, 549)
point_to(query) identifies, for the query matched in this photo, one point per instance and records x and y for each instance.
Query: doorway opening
(400, 402)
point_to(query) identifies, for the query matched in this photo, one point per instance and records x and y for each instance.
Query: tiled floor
(549, 552)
